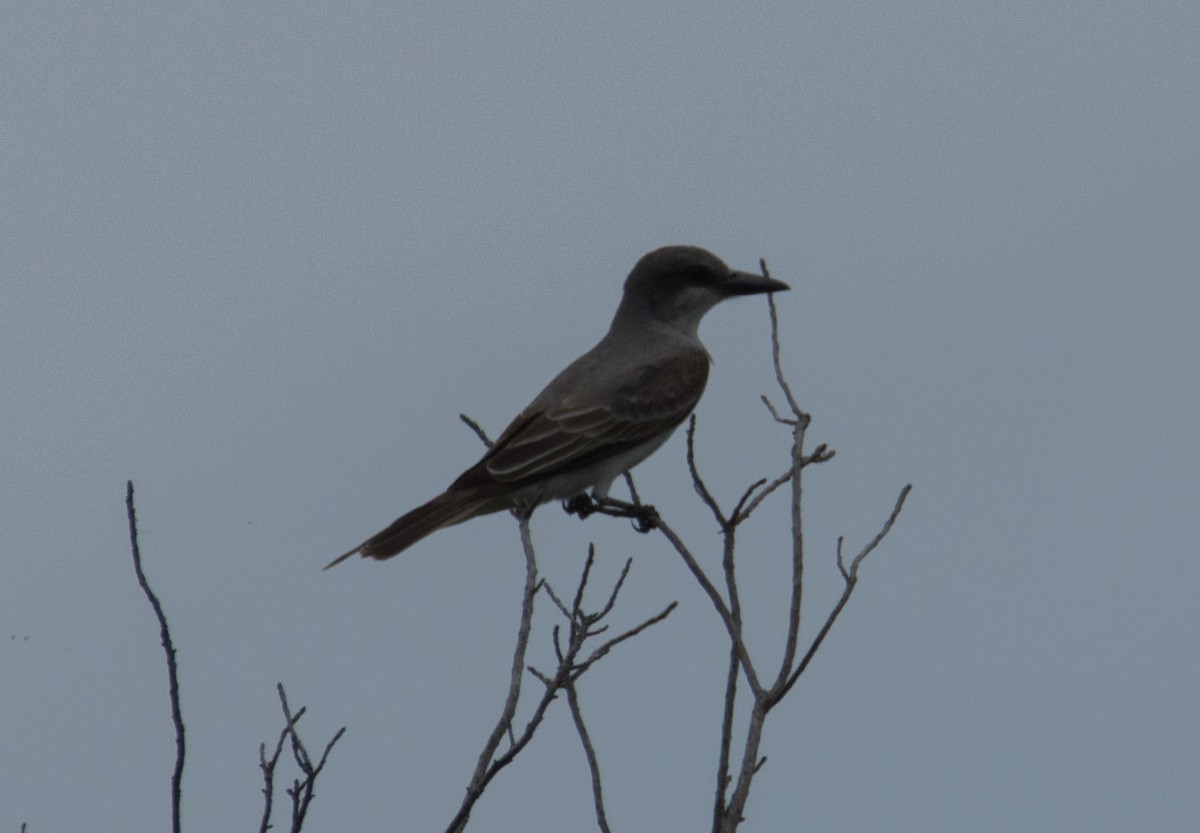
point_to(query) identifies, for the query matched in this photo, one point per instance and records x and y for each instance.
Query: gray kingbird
(609, 410)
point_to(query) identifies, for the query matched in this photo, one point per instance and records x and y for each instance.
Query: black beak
(748, 283)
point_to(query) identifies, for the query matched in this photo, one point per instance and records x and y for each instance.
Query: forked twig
(301, 791)
(728, 807)
(581, 626)
(488, 764)
(267, 767)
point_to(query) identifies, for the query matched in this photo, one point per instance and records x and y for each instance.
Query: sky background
(257, 257)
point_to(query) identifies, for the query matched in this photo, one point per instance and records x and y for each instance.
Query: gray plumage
(606, 412)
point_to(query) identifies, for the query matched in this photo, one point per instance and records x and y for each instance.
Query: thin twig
(583, 579)
(302, 792)
(479, 432)
(774, 413)
(488, 765)
(741, 514)
(590, 753)
(797, 597)
(169, 648)
(799, 428)
(887, 527)
(603, 650)
(737, 516)
(612, 597)
(851, 580)
(268, 771)
(731, 586)
(714, 595)
(727, 714)
(779, 377)
(634, 498)
(554, 598)
(697, 481)
(728, 807)
(729, 570)
(749, 767)
(582, 627)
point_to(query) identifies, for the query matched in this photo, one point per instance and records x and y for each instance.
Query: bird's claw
(644, 517)
(581, 505)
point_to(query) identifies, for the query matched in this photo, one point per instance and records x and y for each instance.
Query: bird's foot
(581, 505)
(644, 517)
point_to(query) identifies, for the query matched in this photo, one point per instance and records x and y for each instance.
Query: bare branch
(743, 510)
(558, 649)
(728, 807)
(479, 432)
(487, 765)
(697, 480)
(590, 753)
(775, 413)
(583, 578)
(582, 627)
(731, 681)
(301, 792)
(887, 527)
(731, 626)
(634, 497)
(728, 568)
(169, 648)
(603, 650)
(554, 598)
(775, 360)
(268, 771)
(799, 427)
(851, 579)
(821, 454)
(612, 597)
(761, 496)
(328, 748)
(737, 516)
(299, 752)
(749, 767)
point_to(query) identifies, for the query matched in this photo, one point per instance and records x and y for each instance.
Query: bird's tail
(444, 510)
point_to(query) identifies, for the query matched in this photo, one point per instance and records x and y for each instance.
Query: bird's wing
(551, 440)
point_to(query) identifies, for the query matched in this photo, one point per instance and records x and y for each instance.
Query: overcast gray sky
(258, 256)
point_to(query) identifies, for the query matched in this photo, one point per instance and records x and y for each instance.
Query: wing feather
(548, 441)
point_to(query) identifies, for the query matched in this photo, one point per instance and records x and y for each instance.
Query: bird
(606, 412)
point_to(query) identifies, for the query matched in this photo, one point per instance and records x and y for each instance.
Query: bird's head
(677, 285)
